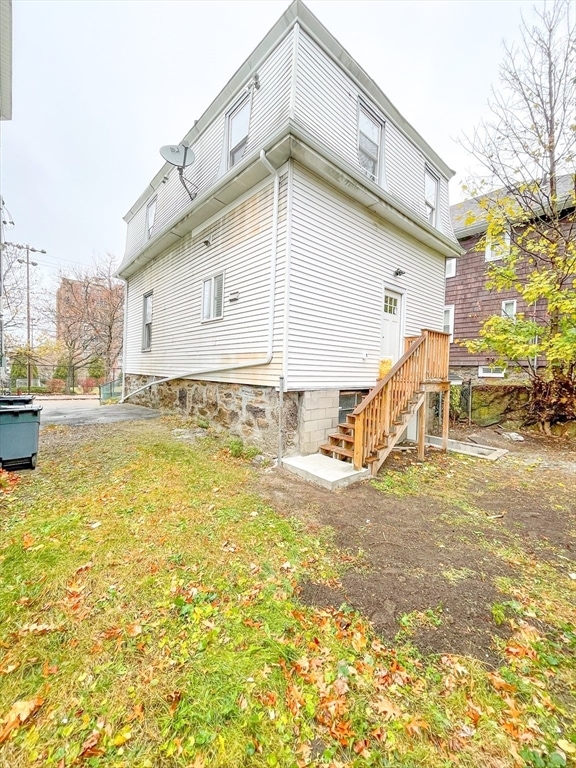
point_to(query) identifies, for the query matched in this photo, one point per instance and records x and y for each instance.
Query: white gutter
(271, 304)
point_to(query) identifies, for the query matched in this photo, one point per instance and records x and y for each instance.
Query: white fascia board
(297, 12)
(290, 142)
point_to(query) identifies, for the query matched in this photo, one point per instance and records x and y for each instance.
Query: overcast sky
(100, 85)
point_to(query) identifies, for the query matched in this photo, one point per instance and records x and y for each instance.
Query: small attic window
(238, 123)
(150, 216)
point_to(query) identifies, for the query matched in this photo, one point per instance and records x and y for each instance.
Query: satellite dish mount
(181, 156)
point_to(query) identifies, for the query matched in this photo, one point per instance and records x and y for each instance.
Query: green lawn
(151, 618)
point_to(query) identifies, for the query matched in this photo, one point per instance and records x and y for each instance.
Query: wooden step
(342, 436)
(328, 448)
(347, 425)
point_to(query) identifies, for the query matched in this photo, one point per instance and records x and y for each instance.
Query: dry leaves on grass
(19, 713)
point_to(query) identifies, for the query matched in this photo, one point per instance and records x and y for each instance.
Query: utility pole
(29, 250)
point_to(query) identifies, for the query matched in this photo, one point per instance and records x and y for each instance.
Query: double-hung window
(509, 308)
(497, 248)
(450, 267)
(449, 320)
(147, 323)
(213, 297)
(150, 216)
(369, 143)
(431, 184)
(237, 127)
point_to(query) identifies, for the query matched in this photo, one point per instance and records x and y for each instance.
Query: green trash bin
(8, 400)
(19, 428)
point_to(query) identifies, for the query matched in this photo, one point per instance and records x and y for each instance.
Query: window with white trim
(238, 123)
(491, 372)
(449, 320)
(213, 297)
(509, 308)
(150, 216)
(450, 267)
(369, 143)
(147, 322)
(497, 248)
(431, 186)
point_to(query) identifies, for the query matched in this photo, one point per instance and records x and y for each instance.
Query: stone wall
(246, 411)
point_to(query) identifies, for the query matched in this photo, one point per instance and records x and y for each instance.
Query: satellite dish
(177, 154)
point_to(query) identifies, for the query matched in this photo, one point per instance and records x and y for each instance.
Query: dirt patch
(421, 563)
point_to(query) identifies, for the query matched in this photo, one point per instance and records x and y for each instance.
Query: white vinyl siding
(326, 106)
(270, 109)
(341, 257)
(241, 247)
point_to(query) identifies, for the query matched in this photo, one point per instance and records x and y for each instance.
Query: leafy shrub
(88, 384)
(55, 386)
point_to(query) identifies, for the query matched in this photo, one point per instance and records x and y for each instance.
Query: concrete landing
(469, 449)
(324, 471)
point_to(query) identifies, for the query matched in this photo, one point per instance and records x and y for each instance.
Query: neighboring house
(469, 303)
(314, 244)
(5, 59)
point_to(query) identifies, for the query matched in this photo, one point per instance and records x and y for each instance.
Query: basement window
(491, 372)
(213, 297)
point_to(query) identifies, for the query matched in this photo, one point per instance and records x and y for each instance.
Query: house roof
(469, 217)
(5, 59)
(297, 12)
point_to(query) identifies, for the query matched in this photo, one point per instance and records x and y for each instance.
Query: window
(491, 372)
(369, 143)
(238, 123)
(390, 304)
(450, 267)
(212, 297)
(431, 197)
(147, 323)
(449, 321)
(150, 216)
(509, 308)
(497, 249)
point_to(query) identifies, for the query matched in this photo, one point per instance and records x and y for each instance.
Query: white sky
(100, 85)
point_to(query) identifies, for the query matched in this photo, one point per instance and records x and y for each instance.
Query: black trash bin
(19, 428)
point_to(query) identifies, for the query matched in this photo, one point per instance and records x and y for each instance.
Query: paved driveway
(80, 412)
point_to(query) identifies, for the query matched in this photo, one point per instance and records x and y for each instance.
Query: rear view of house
(271, 286)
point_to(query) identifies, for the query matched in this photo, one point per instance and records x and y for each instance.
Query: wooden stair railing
(377, 423)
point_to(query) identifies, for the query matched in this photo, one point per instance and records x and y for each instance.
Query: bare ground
(435, 551)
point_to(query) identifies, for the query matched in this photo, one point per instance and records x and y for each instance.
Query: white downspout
(271, 304)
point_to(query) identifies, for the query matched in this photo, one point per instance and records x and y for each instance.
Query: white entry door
(392, 347)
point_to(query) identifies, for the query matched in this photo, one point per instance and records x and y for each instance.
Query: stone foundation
(243, 410)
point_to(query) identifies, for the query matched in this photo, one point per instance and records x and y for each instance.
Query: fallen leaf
(49, 669)
(27, 541)
(385, 707)
(133, 630)
(90, 748)
(85, 567)
(20, 711)
(121, 738)
(499, 683)
(39, 629)
(566, 746)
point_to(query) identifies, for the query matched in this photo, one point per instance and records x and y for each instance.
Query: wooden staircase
(370, 433)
